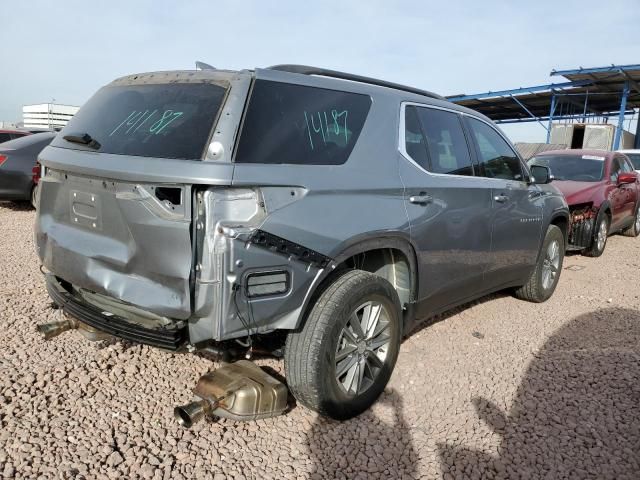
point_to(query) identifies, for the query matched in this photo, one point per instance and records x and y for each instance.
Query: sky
(66, 49)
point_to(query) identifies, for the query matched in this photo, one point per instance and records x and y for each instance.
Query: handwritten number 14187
(318, 126)
(136, 119)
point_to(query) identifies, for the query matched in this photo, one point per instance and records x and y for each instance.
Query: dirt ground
(497, 389)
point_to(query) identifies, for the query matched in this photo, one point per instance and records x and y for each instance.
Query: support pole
(636, 143)
(551, 112)
(623, 108)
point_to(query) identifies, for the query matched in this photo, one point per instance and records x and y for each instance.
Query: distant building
(47, 115)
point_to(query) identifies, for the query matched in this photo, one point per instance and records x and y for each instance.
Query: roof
(325, 72)
(586, 91)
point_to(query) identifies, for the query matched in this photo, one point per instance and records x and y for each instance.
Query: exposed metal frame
(516, 91)
(564, 101)
(612, 68)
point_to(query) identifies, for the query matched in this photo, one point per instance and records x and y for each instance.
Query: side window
(496, 157)
(615, 170)
(4, 137)
(446, 143)
(296, 124)
(414, 141)
(625, 167)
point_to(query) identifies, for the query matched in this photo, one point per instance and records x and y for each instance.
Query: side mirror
(627, 177)
(540, 174)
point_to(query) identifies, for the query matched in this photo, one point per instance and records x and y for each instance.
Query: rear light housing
(3, 158)
(36, 173)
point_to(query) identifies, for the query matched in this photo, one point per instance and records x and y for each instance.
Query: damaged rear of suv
(206, 209)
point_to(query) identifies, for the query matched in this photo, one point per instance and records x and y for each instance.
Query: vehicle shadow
(368, 446)
(17, 206)
(576, 413)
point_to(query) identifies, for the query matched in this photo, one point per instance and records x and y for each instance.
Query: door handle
(501, 198)
(421, 199)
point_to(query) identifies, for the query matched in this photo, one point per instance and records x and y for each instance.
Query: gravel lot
(497, 389)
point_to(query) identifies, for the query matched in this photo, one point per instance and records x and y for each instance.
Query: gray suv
(318, 212)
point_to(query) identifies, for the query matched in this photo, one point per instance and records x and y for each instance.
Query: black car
(17, 161)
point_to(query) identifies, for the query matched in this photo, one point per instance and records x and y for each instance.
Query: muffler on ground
(239, 391)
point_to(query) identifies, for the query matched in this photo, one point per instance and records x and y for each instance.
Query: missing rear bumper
(168, 337)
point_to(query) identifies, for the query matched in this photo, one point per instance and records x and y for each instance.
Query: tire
(597, 246)
(34, 196)
(544, 279)
(634, 229)
(310, 363)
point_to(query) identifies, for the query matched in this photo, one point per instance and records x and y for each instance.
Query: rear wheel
(599, 236)
(634, 229)
(340, 361)
(545, 276)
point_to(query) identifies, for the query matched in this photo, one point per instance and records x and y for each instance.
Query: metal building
(587, 110)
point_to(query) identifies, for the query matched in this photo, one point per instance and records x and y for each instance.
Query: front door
(516, 233)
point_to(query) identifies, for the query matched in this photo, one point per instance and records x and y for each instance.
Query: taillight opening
(3, 158)
(35, 173)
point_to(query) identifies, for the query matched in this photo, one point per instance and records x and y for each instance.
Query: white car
(634, 156)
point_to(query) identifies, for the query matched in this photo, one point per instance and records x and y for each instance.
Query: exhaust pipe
(193, 412)
(53, 329)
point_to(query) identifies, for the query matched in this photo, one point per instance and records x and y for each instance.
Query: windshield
(152, 120)
(579, 168)
(635, 159)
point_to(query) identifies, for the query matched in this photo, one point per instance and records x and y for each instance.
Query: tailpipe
(187, 415)
(53, 329)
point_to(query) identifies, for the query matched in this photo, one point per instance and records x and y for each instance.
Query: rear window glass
(296, 124)
(164, 120)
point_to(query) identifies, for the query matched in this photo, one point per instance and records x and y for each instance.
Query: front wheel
(342, 358)
(599, 236)
(544, 279)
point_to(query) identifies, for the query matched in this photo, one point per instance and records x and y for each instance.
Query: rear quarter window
(171, 120)
(296, 124)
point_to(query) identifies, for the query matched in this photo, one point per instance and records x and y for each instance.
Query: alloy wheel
(601, 237)
(550, 265)
(362, 348)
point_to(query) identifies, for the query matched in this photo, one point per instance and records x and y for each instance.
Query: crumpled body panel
(117, 239)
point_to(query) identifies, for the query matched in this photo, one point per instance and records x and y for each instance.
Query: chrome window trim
(403, 151)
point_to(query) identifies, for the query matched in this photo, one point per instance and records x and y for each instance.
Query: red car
(602, 191)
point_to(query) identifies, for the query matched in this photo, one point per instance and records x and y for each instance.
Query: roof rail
(307, 70)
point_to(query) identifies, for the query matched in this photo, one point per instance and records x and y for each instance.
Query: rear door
(116, 198)
(449, 207)
(516, 205)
